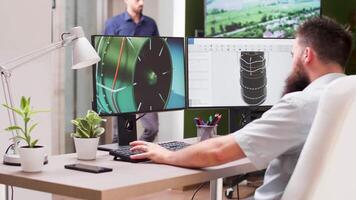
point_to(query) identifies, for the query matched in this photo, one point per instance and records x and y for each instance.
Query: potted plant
(31, 155)
(86, 136)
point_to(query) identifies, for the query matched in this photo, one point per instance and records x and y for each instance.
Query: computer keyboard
(123, 153)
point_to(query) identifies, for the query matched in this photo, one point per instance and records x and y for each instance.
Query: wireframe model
(253, 79)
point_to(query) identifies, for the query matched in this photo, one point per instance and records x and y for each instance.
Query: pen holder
(205, 132)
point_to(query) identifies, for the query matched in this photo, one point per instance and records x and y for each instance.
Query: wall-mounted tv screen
(257, 18)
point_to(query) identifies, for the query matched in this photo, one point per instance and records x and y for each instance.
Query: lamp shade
(84, 54)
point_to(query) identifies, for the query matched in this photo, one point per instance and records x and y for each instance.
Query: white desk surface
(126, 179)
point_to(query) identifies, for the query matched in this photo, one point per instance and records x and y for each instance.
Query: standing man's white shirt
(276, 139)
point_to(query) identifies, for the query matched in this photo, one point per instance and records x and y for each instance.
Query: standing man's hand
(151, 151)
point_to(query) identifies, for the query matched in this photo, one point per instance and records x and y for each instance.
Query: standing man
(320, 52)
(133, 23)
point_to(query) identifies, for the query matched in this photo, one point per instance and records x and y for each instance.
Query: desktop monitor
(257, 18)
(233, 72)
(138, 74)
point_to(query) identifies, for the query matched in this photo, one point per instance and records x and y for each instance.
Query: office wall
(194, 16)
(20, 34)
(344, 13)
(26, 26)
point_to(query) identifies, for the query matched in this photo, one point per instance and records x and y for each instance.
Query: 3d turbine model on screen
(253, 78)
(134, 74)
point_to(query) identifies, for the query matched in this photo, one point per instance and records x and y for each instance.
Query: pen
(210, 120)
(213, 122)
(196, 120)
(218, 119)
(201, 122)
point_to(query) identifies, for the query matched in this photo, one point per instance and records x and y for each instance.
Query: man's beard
(296, 81)
(139, 10)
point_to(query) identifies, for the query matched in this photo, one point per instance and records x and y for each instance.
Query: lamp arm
(14, 63)
(5, 79)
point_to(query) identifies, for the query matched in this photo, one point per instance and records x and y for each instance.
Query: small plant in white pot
(86, 136)
(31, 155)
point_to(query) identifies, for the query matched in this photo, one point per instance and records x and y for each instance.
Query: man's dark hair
(330, 40)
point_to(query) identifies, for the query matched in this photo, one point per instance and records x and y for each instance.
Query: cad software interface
(231, 72)
(139, 74)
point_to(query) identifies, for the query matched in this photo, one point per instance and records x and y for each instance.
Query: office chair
(326, 168)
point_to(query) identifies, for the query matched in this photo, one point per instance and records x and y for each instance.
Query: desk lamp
(84, 55)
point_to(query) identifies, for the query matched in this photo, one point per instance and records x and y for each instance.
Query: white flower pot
(32, 158)
(86, 148)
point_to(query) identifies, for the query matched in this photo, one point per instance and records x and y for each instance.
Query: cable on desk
(196, 191)
(238, 192)
(8, 148)
(129, 124)
(12, 192)
(140, 117)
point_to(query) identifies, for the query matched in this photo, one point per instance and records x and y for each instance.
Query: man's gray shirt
(277, 138)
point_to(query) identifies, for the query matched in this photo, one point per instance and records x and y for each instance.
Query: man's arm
(204, 154)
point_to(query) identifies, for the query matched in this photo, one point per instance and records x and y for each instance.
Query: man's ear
(308, 55)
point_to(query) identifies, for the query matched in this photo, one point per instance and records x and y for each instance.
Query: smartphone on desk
(87, 168)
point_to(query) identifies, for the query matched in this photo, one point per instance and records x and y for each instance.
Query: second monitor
(139, 74)
(233, 72)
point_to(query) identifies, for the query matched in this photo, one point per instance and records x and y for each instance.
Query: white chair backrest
(326, 169)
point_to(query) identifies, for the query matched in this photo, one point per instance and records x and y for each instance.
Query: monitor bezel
(94, 101)
(187, 72)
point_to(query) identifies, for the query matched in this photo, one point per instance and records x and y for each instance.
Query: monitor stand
(127, 129)
(240, 117)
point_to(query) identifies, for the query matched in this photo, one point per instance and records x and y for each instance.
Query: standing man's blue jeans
(150, 123)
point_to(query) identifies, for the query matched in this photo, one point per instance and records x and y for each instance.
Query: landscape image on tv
(257, 18)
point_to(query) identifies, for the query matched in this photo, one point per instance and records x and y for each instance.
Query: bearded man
(320, 52)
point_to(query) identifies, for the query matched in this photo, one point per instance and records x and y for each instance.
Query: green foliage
(26, 112)
(89, 126)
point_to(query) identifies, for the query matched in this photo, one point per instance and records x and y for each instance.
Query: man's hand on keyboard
(151, 151)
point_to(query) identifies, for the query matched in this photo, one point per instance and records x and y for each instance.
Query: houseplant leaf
(24, 110)
(13, 128)
(33, 144)
(32, 127)
(99, 131)
(18, 111)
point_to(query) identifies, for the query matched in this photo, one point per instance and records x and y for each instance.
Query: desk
(126, 180)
